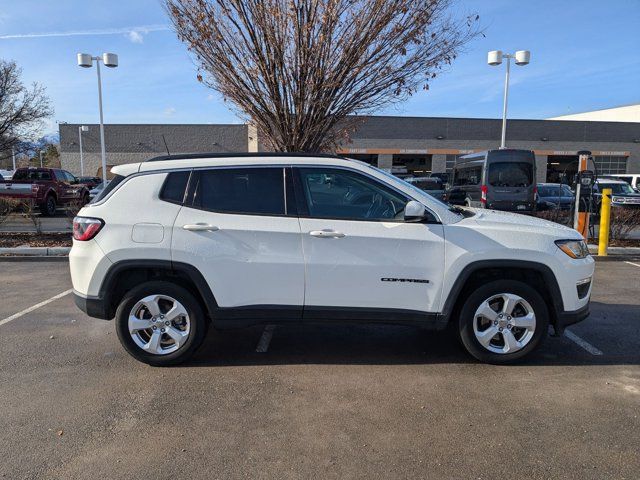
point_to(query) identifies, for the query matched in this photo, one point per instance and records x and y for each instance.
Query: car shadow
(397, 345)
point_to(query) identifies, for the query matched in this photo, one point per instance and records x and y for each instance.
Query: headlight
(573, 248)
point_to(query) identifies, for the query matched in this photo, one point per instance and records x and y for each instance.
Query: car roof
(174, 162)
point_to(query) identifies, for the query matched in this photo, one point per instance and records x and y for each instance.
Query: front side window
(248, 191)
(343, 194)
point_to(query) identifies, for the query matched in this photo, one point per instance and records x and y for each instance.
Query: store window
(610, 164)
(407, 165)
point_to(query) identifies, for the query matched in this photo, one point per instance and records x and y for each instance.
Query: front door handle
(326, 234)
(200, 227)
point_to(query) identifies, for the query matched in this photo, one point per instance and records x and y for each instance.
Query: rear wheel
(160, 323)
(503, 321)
(48, 207)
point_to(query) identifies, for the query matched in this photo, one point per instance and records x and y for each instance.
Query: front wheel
(503, 321)
(160, 323)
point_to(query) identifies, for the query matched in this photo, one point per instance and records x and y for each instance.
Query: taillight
(483, 189)
(34, 188)
(85, 228)
(535, 193)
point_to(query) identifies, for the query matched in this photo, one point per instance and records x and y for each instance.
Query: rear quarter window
(175, 187)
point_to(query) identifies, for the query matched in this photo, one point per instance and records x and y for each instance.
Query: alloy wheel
(159, 324)
(504, 323)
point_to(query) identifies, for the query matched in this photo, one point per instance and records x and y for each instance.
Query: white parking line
(631, 263)
(583, 343)
(35, 307)
(265, 339)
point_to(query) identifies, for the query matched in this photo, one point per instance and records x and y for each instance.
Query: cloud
(129, 31)
(169, 112)
(135, 36)
(211, 97)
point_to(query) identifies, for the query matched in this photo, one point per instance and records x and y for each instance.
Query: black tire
(199, 323)
(477, 297)
(48, 207)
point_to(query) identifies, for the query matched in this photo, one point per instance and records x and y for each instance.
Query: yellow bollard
(605, 219)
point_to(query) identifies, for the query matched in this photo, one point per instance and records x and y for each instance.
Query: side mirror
(414, 211)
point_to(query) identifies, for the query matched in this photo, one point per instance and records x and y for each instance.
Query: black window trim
(190, 199)
(303, 208)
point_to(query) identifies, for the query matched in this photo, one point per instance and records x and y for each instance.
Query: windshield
(555, 191)
(616, 188)
(510, 174)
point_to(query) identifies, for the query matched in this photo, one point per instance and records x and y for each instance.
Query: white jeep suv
(180, 242)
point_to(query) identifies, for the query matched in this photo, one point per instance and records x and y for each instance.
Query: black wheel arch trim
(108, 283)
(548, 276)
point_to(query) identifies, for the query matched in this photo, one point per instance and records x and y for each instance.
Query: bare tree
(298, 68)
(22, 109)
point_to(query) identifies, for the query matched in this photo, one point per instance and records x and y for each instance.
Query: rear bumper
(564, 319)
(93, 306)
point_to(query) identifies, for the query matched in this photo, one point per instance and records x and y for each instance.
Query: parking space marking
(631, 263)
(35, 307)
(265, 339)
(583, 343)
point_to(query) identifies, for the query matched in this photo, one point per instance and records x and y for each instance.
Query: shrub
(623, 222)
(7, 207)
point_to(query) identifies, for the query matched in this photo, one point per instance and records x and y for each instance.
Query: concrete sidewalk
(19, 224)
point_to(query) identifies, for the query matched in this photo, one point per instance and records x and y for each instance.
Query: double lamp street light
(494, 58)
(110, 60)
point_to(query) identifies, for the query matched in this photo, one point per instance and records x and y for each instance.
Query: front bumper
(93, 306)
(564, 319)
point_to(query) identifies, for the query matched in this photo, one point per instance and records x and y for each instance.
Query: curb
(36, 251)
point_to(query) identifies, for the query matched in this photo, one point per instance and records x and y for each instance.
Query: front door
(358, 250)
(237, 230)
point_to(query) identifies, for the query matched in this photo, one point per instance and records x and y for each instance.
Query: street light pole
(41, 164)
(110, 60)
(81, 129)
(522, 57)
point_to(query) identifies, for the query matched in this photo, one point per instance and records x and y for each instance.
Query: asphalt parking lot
(321, 402)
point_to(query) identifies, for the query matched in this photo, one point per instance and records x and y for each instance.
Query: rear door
(510, 180)
(359, 252)
(238, 229)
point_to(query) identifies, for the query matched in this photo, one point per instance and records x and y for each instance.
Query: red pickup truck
(45, 187)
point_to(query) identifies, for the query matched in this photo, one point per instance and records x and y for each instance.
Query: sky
(585, 55)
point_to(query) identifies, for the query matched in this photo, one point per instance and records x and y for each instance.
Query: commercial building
(413, 145)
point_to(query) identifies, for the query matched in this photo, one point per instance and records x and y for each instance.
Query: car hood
(513, 222)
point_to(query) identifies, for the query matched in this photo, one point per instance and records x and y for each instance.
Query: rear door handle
(326, 234)
(200, 227)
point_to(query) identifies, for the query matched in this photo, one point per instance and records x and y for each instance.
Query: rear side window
(174, 187)
(249, 191)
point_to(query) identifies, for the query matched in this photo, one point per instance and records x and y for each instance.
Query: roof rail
(192, 156)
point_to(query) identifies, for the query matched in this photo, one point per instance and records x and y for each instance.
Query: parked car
(46, 187)
(495, 179)
(94, 192)
(176, 244)
(632, 179)
(432, 185)
(444, 177)
(6, 174)
(555, 196)
(90, 182)
(622, 193)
